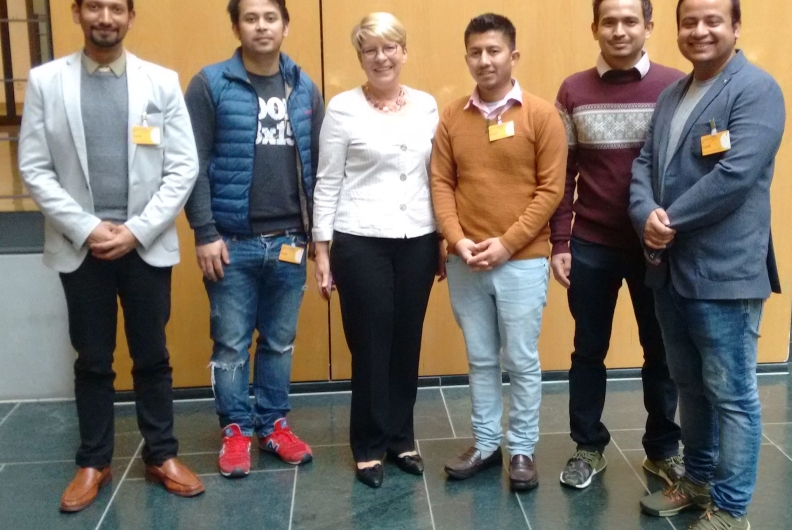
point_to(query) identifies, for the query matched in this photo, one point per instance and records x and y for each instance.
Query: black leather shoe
(370, 476)
(522, 473)
(470, 463)
(412, 464)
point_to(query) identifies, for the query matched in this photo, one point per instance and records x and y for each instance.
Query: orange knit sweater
(508, 188)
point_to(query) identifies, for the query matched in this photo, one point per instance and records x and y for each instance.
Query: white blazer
(53, 161)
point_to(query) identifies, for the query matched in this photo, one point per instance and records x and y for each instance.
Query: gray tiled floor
(37, 441)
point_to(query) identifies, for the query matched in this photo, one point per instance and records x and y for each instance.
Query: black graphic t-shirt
(274, 194)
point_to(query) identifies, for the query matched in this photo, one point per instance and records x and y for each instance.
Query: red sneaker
(284, 443)
(234, 459)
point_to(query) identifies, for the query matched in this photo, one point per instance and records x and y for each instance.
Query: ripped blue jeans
(258, 292)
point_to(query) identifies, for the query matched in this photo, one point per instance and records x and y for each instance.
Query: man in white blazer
(107, 152)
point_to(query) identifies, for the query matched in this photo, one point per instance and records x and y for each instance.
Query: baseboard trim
(323, 387)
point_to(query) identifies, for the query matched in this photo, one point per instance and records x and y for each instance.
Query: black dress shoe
(412, 464)
(370, 476)
(470, 463)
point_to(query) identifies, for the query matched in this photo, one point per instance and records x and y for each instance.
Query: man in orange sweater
(498, 168)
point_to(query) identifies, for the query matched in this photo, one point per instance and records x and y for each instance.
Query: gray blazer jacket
(53, 161)
(718, 204)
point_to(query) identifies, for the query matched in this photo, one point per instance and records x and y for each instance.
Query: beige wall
(555, 41)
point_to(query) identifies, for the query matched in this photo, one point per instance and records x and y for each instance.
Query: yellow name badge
(291, 254)
(142, 135)
(501, 131)
(712, 144)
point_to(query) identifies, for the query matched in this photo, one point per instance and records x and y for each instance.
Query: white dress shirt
(373, 176)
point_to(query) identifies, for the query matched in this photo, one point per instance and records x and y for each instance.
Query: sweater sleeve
(561, 222)
(444, 181)
(202, 115)
(551, 163)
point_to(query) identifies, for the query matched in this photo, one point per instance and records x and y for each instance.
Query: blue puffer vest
(236, 127)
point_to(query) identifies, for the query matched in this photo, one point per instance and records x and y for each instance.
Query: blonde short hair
(379, 25)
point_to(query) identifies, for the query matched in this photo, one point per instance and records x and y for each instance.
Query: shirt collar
(642, 66)
(514, 96)
(118, 67)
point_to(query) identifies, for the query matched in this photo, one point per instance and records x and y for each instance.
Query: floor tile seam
(448, 413)
(644, 484)
(120, 483)
(9, 414)
(522, 509)
(294, 496)
(426, 488)
(216, 474)
(779, 448)
(2, 467)
(777, 423)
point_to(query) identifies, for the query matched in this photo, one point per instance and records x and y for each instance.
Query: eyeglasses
(389, 50)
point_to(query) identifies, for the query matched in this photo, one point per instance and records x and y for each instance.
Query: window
(25, 42)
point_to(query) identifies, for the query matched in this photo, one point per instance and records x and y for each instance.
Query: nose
(700, 30)
(105, 15)
(485, 59)
(618, 31)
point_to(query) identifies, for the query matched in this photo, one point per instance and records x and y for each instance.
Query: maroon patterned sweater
(606, 120)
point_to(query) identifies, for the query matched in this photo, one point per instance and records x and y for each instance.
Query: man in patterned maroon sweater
(607, 111)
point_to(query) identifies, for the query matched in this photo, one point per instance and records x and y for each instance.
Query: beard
(110, 41)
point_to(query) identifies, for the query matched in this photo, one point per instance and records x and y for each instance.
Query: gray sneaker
(675, 498)
(582, 467)
(669, 469)
(716, 519)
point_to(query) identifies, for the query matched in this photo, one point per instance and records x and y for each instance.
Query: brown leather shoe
(84, 488)
(176, 478)
(470, 463)
(522, 473)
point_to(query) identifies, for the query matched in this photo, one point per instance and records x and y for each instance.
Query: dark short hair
(492, 22)
(130, 4)
(736, 12)
(646, 6)
(233, 10)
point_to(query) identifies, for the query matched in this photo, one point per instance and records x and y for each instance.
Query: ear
(515, 57)
(737, 27)
(594, 30)
(649, 29)
(75, 13)
(131, 18)
(235, 29)
(285, 30)
(404, 55)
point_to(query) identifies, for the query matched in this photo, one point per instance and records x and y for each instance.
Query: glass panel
(13, 194)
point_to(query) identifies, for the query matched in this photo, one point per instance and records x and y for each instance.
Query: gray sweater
(104, 99)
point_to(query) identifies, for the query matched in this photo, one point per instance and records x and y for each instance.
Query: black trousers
(596, 276)
(92, 292)
(383, 285)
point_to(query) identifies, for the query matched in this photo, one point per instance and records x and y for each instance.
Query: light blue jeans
(711, 347)
(258, 292)
(500, 313)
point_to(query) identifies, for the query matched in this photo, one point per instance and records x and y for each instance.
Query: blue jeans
(258, 291)
(500, 313)
(711, 347)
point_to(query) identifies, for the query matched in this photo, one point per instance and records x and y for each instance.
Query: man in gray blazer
(107, 152)
(700, 200)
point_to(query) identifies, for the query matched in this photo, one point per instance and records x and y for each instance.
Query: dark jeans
(596, 277)
(383, 285)
(91, 298)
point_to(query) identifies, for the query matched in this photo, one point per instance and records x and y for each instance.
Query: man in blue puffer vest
(256, 119)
